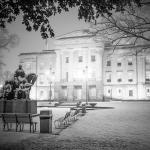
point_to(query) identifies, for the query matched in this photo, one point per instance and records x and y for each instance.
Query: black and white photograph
(74, 74)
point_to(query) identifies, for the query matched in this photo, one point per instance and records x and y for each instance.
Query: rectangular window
(108, 77)
(130, 80)
(80, 59)
(93, 59)
(147, 60)
(119, 76)
(119, 64)
(130, 61)
(108, 80)
(130, 92)
(147, 65)
(147, 76)
(119, 80)
(67, 59)
(148, 91)
(119, 92)
(108, 63)
(130, 76)
(109, 92)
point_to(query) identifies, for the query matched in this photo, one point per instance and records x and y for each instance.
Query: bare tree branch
(130, 26)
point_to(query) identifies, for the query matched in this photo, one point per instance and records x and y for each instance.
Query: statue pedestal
(8, 106)
(32, 106)
(1, 106)
(18, 106)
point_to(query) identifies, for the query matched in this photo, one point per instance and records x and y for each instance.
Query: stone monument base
(18, 106)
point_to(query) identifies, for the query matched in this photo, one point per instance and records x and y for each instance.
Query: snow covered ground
(116, 125)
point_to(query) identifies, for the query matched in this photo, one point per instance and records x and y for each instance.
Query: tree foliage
(35, 13)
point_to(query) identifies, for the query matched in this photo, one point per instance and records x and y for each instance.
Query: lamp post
(51, 81)
(50, 84)
(50, 93)
(87, 93)
(86, 84)
(50, 77)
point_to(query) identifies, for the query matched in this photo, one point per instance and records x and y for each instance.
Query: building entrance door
(92, 93)
(77, 92)
(64, 92)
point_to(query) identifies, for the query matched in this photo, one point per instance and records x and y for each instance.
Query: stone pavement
(117, 126)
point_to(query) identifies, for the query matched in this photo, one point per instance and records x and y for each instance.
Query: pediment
(76, 34)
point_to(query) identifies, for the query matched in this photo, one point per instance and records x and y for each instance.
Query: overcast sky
(32, 41)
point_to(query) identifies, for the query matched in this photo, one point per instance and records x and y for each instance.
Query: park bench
(9, 119)
(65, 121)
(19, 119)
(26, 118)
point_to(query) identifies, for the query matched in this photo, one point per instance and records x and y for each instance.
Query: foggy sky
(32, 41)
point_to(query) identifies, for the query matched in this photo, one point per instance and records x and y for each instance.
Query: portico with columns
(78, 73)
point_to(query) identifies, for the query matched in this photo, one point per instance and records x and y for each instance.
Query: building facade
(79, 67)
(42, 64)
(83, 68)
(126, 73)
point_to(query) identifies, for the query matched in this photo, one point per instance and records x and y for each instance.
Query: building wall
(79, 68)
(42, 64)
(124, 74)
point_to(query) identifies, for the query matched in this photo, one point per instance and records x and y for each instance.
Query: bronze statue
(19, 87)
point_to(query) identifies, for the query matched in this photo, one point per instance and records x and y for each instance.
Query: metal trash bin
(83, 109)
(46, 121)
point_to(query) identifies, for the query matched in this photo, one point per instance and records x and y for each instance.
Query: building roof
(39, 53)
(125, 46)
(76, 34)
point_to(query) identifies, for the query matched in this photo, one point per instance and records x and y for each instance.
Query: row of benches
(19, 119)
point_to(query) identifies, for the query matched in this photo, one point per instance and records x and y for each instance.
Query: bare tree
(129, 27)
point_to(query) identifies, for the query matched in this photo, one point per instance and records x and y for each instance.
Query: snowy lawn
(116, 126)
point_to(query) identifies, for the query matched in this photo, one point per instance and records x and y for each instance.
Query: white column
(58, 67)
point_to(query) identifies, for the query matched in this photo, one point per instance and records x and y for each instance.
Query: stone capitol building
(83, 67)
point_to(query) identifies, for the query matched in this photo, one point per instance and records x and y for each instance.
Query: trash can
(83, 109)
(46, 121)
